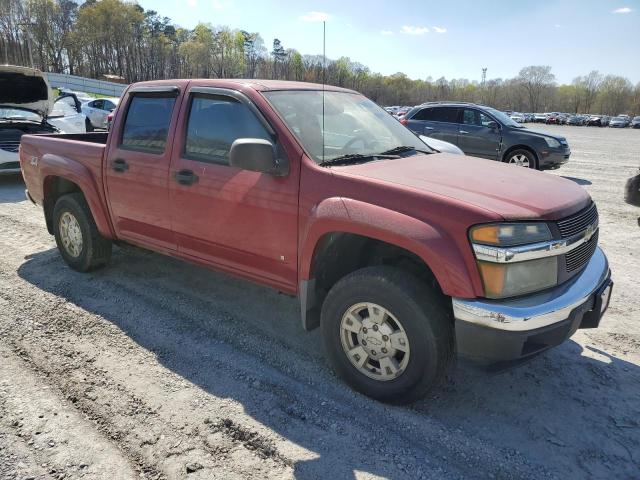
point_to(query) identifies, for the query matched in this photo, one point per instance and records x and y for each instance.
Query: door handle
(119, 165)
(428, 128)
(463, 132)
(186, 177)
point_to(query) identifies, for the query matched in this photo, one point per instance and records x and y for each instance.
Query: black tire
(88, 125)
(533, 161)
(96, 250)
(427, 324)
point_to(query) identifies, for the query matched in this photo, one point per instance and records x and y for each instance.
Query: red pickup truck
(404, 256)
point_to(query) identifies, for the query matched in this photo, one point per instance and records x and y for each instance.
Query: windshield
(353, 124)
(503, 118)
(18, 114)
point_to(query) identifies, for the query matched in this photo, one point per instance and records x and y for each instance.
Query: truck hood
(25, 88)
(509, 191)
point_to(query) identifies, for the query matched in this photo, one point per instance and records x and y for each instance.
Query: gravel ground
(152, 368)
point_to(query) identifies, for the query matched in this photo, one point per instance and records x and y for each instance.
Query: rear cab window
(146, 124)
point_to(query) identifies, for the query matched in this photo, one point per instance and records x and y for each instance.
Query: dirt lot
(152, 368)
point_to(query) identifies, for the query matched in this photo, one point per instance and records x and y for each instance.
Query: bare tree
(535, 80)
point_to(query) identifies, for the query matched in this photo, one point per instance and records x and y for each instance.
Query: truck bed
(51, 153)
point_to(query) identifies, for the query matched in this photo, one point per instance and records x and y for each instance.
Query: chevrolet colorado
(401, 255)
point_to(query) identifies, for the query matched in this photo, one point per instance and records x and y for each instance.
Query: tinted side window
(97, 104)
(147, 124)
(215, 122)
(445, 114)
(424, 114)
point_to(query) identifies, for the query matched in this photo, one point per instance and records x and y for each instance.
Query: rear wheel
(386, 334)
(521, 158)
(77, 236)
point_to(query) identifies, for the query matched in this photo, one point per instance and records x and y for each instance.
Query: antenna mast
(324, 72)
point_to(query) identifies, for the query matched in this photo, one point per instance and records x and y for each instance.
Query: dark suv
(483, 131)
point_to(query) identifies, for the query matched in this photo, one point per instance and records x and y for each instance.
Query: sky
(450, 38)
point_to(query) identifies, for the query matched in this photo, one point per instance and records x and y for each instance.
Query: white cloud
(315, 17)
(192, 3)
(386, 32)
(623, 10)
(440, 29)
(557, 25)
(411, 30)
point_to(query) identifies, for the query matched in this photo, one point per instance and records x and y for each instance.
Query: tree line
(101, 37)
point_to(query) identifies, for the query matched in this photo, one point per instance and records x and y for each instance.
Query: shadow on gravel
(572, 413)
(579, 181)
(11, 188)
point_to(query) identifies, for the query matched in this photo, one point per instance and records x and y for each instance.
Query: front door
(137, 168)
(241, 221)
(475, 135)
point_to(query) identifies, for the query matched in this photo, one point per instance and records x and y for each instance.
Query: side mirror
(493, 125)
(257, 155)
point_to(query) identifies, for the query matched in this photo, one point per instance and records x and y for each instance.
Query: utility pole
(483, 85)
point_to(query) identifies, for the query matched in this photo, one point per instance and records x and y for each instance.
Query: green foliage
(118, 37)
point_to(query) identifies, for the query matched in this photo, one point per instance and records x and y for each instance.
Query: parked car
(598, 121)
(482, 131)
(97, 111)
(26, 107)
(619, 122)
(540, 118)
(575, 120)
(440, 145)
(635, 123)
(395, 251)
(67, 114)
(552, 119)
(517, 117)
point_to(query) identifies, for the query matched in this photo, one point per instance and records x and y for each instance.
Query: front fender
(52, 166)
(433, 245)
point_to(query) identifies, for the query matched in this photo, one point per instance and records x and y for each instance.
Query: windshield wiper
(354, 158)
(402, 149)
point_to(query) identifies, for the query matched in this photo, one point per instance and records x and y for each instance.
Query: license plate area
(601, 299)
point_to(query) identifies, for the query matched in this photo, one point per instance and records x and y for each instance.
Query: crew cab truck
(403, 256)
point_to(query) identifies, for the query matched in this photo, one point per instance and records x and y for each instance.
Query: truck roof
(256, 84)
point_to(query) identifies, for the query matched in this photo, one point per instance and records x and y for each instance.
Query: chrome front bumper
(501, 329)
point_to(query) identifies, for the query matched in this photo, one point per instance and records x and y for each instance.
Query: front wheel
(386, 334)
(88, 125)
(77, 236)
(521, 158)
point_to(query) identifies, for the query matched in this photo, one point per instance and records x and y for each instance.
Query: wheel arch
(62, 176)
(521, 147)
(345, 235)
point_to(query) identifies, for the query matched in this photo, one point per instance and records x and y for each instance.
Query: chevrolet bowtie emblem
(588, 233)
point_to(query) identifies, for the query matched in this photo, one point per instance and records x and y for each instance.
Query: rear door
(137, 166)
(436, 122)
(476, 137)
(241, 221)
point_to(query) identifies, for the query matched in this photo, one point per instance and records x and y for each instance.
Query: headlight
(501, 272)
(510, 234)
(552, 142)
(502, 280)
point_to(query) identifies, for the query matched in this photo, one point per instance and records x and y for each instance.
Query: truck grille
(578, 223)
(10, 146)
(578, 257)
(575, 225)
